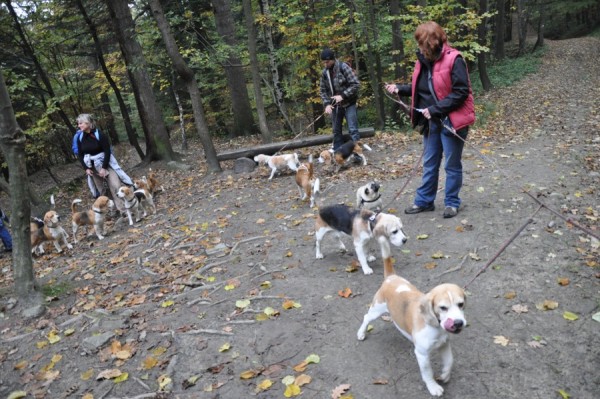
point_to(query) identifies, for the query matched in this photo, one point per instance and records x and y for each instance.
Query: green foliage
(56, 289)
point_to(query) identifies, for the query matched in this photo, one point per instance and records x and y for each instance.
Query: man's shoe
(418, 209)
(450, 212)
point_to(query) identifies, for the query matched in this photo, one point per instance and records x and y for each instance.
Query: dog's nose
(404, 240)
(458, 324)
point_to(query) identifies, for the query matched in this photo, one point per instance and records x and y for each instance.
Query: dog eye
(444, 308)
(395, 232)
(460, 305)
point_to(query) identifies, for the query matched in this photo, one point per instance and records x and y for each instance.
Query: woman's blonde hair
(88, 118)
(431, 38)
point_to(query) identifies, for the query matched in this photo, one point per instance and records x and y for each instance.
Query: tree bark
(158, 146)
(12, 143)
(540, 28)
(481, 56)
(243, 121)
(522, 24)
(397, 42)
(377, 68)
(256, 80)
(189, 79)
(500, 27)
(131, 136)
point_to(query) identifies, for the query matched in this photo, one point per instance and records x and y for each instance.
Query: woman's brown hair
(431, 38)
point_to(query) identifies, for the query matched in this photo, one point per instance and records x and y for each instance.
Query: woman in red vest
(441, 95)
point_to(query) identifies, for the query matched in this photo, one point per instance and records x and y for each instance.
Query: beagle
(94, 217)
(341, 155)
(361, 225)
(135, 201)
(51, 231)
(278, 161)
(425, 319)
(308, 185)
(150, 183)
(326, 156)
(369, 197)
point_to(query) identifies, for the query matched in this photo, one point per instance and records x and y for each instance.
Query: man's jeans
(5, 236)
(337, 117)
(440, 141)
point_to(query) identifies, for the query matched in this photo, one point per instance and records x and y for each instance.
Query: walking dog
(425, 319)
(308, 185)
(276, 162)
(342, 154)
(136, 201)
(50, 231)
(361, 225)
(93, 217)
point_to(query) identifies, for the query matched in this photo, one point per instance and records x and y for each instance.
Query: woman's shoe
(418, 209)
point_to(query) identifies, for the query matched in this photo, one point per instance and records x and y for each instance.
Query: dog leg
(341, 247)
(75, 228)
(319, 234)
(273, 170)
(99, 231)
(65, 238)
(375, 311)
(447, 361)
(364, 159)
(129, 216)
(150, 201)
(427, 372)
(359, 246)
(57, 246)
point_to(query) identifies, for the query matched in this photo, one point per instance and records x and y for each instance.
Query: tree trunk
(377, 68)
(256, 81)
(500, 27)
(158, 146)
(522, 24)
(12, 143)
(243, 121)
(397, 42)
(131, 136)
(184, 143)
(540, 28)
(482, 39)
(278, 95)
(187, 75)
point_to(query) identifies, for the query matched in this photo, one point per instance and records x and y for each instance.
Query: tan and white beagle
(361, 225)
(136, 201)
(425, 319)
(93, 217)
(276, 162)
(51, 231)
(308, 185)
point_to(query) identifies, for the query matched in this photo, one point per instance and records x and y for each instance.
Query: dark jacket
(89, 144)
(344, 82)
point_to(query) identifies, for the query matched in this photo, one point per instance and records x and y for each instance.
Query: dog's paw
(69, 246)
(367, 270)
(371, 258)
(445, 376)
(319, 256)
(360, 335)
(435, 389)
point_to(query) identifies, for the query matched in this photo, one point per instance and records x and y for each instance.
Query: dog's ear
(426, 309)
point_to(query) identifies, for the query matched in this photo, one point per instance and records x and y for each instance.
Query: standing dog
(361, 225)
(150, 183)
(94, 217)
(278, 162)
(425, 319)
(341, 155)
(368, 196)
(51, 231)
(135, 201)
(308, 185)
(326, 156)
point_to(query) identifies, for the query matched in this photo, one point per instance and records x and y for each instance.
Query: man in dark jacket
(339, 92)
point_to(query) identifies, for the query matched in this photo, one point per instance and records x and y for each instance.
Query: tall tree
(187, 75)
(243, 121)
(499, 30)
(482, 39)
(254, 66)
(117, 92)
(12, 143)
(158, 146)
(397, 42)
(377, 68)
(540, 24)
(523, 17)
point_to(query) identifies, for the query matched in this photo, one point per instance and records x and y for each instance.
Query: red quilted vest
(442, 85)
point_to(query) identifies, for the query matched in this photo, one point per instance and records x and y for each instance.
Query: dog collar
(364, 201)
(97, 210)
(372, 221)
(131, 204)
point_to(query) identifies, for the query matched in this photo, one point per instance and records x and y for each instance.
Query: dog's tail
(52, 202)
(366, 146)
(388, 267)
(74, 204)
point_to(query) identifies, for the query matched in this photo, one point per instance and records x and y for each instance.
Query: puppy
(135, 201)
(50, 231)
(425, 319)
(308, 185)
(361, 225)
(325, 156)
(341, 155)
(94, 217)
(368, 196)
(276, 162)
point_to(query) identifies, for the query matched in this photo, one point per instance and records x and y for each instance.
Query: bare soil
(177, 302)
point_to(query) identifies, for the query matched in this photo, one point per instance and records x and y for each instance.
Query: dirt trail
(164, 300)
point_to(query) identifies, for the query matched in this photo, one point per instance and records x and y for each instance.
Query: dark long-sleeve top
(92, 146)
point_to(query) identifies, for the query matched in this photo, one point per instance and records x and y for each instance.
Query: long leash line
(451, 129)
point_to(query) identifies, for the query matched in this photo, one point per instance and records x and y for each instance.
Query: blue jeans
(351, 116)
(439, 141)
(5, 236)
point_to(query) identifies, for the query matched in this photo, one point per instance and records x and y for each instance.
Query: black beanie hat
(327, 54)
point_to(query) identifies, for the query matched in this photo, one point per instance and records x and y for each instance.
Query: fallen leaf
(108, 374)
(166, 304)
(345, 293)
(564, 394)
(246, 375)
(422, 236)
(547, 305)
(381, 381)
(149, 362)
(301, 367)
(437, 255)
(242, 303)
(500, 340)
(292, 390)
(339, 391)
(225, 347)
(17, 395)
(430, 265)
(520, 309)
(312, 359)
(510, 295)
(563, 281)
(570, 316)
(264, 385)
(302, 379)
